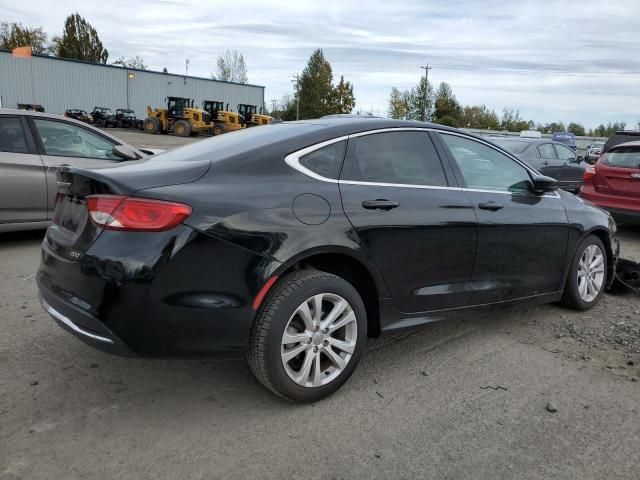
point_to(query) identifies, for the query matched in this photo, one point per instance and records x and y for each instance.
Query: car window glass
(68, 140)
(624, 157)
(486, 168)
(325, 161)
(12, 136)
(394, 157)
(546, 151)
(565, 153)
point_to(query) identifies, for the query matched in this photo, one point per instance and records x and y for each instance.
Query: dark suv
(621, 136)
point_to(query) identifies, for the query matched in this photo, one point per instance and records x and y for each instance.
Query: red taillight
(589, 173)
(117, 212)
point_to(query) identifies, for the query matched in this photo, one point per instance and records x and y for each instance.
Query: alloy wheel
(590, 273)
(319, 340)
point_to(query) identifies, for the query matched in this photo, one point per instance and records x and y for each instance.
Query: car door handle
(379, 204)
(493, 206)
(545, 163)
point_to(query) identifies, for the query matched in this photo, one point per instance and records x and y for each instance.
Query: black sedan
(293, 242)
(552, 159)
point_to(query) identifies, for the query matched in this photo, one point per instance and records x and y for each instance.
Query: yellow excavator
(179, 117)
(250, 116)
(222, 119)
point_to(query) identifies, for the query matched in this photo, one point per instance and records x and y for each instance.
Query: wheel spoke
(294, 352)
(317, 309)
(347, 347)
(303, 374)
(317, 373)
(596, 261)
(582, 287)
(336, 359)
(335, 313)
(347, 319)
(289, 338)
(305, 313)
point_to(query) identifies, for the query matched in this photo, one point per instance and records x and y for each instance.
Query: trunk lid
(72, 232)
(618, 173)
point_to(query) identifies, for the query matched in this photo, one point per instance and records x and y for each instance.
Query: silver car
(32, 146)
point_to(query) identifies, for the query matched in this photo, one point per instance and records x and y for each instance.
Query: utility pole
(186, 67)
(426, 90)
(297, 79)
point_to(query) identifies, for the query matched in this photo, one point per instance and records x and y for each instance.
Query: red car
(613, 183)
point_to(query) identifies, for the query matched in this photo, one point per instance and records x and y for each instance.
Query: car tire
(587, 276)
(182, 128)
(302, 366)
(151, 125)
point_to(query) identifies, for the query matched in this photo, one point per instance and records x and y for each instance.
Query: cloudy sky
(554, 60)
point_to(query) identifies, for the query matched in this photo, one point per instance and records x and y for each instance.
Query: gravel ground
(539, 393)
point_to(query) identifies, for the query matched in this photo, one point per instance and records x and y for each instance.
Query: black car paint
(191, 290)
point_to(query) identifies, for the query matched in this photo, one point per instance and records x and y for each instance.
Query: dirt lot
(463, 399)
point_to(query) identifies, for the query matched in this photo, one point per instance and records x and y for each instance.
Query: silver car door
(67, 143)
(23, 190)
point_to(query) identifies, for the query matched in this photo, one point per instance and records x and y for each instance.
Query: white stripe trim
(58, 316)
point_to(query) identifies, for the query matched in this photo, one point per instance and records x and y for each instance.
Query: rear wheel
(308, 336)
(587, 276)
(219, 129)
(182, 128)
(151, 125)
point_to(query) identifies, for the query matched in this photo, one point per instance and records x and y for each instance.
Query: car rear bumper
(623, 209)
(178, 293)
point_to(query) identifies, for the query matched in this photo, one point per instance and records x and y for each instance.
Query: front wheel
(587, 275)
(308, 336)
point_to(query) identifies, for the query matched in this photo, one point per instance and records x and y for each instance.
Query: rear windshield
(625, 157)
(513, 146)
(618, 138)
(236, 143)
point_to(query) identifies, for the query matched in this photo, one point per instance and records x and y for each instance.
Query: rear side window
(546, 151)
(12, 137)
(394, 157)
(325, 161)
(624, 157)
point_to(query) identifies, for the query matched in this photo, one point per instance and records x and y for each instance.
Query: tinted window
(12, 137)
(625, 157)
(394, 157)
(325, 161)
(513, 146)
(546, 151)
(69, 140)
(565, 153)
(486, 168)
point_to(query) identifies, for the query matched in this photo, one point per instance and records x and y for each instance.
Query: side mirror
(543, 184)
(125, 153)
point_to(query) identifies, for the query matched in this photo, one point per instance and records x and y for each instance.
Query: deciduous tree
(231, 67)
(14, 35)
(79, 41)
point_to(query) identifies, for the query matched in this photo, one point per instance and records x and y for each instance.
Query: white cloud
(554, 60)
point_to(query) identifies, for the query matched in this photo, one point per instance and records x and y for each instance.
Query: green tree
(479, 116)
(231, 67)
(447, 109)
(285, 109)
(513, 122)
(576, 129)
(135, 62)
(79, 41)
(14, 35)
(316, 92)
(419, 102)
(398, 104)
(343, 99)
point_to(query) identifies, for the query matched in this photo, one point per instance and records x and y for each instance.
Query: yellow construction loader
(250, 116)
(179, 117)
(222, 119)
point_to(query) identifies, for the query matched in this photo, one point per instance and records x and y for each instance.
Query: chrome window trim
(58, 316)
(293, 160)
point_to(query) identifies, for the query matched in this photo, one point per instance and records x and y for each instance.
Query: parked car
(550, 158)
(613, 183)
(31, 106)
(567, 138)
(124, 118)
(32, 147)
(101, 116)
(78, 114)
(622, 136)
(293, 242)
(593, 152)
